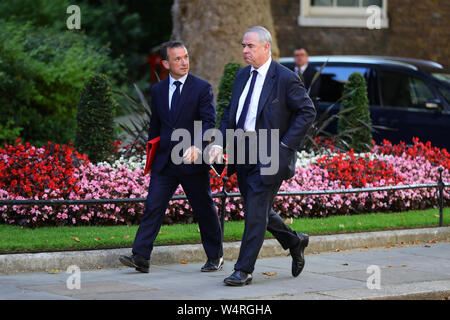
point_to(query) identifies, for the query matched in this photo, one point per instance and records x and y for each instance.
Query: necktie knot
(177, 83)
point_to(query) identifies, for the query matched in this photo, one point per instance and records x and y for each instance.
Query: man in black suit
(177, 102)
(306, 71)
(265, 96)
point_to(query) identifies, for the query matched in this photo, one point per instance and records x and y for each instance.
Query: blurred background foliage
(43, 65)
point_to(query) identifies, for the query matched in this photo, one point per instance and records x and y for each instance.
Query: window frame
(340, 17)
(368, 70)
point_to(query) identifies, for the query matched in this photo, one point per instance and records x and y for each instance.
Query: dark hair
(300, 48)
(170, 44)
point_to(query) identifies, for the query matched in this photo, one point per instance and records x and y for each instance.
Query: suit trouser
(198, 191)
(259, 217)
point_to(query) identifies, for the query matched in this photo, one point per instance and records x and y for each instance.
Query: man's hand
(216, 154)
(191, 154)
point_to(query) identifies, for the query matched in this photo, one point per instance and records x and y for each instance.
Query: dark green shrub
(138, 26)
(356, 122)
(41, 74)
(95, 119)
(39, 13)
(8, 132)
(225, 88)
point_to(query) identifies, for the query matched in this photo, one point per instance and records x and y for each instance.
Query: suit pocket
(286, 166)
(273, 108)
(287, 162)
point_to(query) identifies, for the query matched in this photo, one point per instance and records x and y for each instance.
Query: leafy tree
(38, 13)
(41, 74)
(138, 26)
(129, 28)
(225, 88)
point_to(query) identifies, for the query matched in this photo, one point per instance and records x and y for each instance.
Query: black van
(409, 96)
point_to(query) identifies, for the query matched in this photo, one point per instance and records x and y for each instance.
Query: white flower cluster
(305, 159)
(132, 163)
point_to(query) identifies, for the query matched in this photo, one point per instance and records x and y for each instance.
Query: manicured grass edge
(14, 239)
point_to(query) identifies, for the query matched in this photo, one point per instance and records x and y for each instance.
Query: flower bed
(34, 172)
(59, 172)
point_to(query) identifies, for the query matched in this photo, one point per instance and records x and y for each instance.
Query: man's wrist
(196, 149)
(217, 147)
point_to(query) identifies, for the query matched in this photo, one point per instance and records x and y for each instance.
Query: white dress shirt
(302, 68)
(173, 87)
(250, 121)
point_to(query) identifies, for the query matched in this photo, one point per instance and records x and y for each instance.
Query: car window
(445, 77)
(333, 78)
(445, 93)
(404, 91)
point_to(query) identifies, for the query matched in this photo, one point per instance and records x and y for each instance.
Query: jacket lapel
(163, 109)
(240, 85)
(268, 85)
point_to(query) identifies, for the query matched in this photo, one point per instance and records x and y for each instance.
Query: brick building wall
(417, 29)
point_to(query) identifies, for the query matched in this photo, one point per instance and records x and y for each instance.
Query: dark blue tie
(243, 116)
(175, 100)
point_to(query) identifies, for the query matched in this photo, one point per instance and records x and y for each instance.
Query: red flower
(28, 171)
(357, 172)
(436, 156)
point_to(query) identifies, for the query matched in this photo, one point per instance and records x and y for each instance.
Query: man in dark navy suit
(303, 68)
(177, 102)
(265, 96)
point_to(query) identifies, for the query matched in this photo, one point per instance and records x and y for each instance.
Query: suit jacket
(308, 75)
(284, 105)
(196, 104)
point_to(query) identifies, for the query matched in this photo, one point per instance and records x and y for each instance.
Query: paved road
(410, 271)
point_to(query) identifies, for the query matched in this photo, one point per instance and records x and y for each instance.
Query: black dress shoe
(135, 261)
(212, 265)
(238, 278)
(297, 254)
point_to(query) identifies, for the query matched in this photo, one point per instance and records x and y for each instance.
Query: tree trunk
(212, 31)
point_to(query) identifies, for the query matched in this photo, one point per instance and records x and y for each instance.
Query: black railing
(440, 185)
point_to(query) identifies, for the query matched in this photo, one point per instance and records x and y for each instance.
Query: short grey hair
(264, 35)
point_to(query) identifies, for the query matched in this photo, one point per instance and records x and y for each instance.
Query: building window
(370, 14)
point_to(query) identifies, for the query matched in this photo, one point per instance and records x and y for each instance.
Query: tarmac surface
(416, 266)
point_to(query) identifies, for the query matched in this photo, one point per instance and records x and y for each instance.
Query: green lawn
(17, 239)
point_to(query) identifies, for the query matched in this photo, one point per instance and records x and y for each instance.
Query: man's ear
(165, 64)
